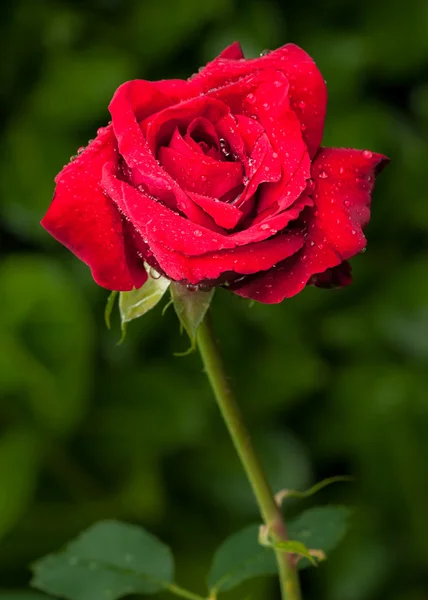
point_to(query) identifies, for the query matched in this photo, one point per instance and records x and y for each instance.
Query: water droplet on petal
(198, 233)
(323, 175)
(341, 170)
(302, 104)
(80, 150)
(264, 226)
(265, 52)
(251, 98)
(367, 154)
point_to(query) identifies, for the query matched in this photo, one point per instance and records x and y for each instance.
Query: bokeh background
(331, 382)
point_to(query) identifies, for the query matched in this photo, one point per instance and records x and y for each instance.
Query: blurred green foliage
(331, 382)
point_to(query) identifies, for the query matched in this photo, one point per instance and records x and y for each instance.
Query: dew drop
(224, 147)
(154, 275)
(323, 175)
(264, 226)
(363, 250)
(354, 232)
(251, 98)
(303, 127)
(198, 233)
(367, 154)
(265, 52)
(302, 104)
(341, 170)
(80, 150)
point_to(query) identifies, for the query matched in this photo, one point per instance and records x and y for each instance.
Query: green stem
(183, 593)
(272, 516)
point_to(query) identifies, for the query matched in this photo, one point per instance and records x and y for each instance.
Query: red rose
(218, 180)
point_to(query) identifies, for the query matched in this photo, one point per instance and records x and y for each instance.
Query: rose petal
(157, 223)
(344, 180)
(224, 214)
(308, 92)
(271, 224)
(128, 102)
(232, 52)
(160, 127)
(201, 174)
(84, 220)
(242, 260)
(264, 97)
(339, 276)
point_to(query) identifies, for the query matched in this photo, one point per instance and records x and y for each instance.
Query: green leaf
(293, 547)
(109, 560)
(191, 307)
(320, 528)
(137, 303)
(239, 558)
(19, 461)
(109, 307)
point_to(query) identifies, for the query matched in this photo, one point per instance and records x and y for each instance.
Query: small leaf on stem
(137, 303)
(241, 557)
(191, 307)
(321, 527)
(109, 307)
(294, 547)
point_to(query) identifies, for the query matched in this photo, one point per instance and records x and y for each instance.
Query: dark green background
(331, 382)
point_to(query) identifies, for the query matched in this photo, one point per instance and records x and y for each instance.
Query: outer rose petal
(243, 260)
(84, 220)
(344, 181)
(339, 276)
(232, 52)
(308, 92)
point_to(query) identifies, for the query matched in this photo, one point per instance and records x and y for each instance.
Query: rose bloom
(219, 180)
